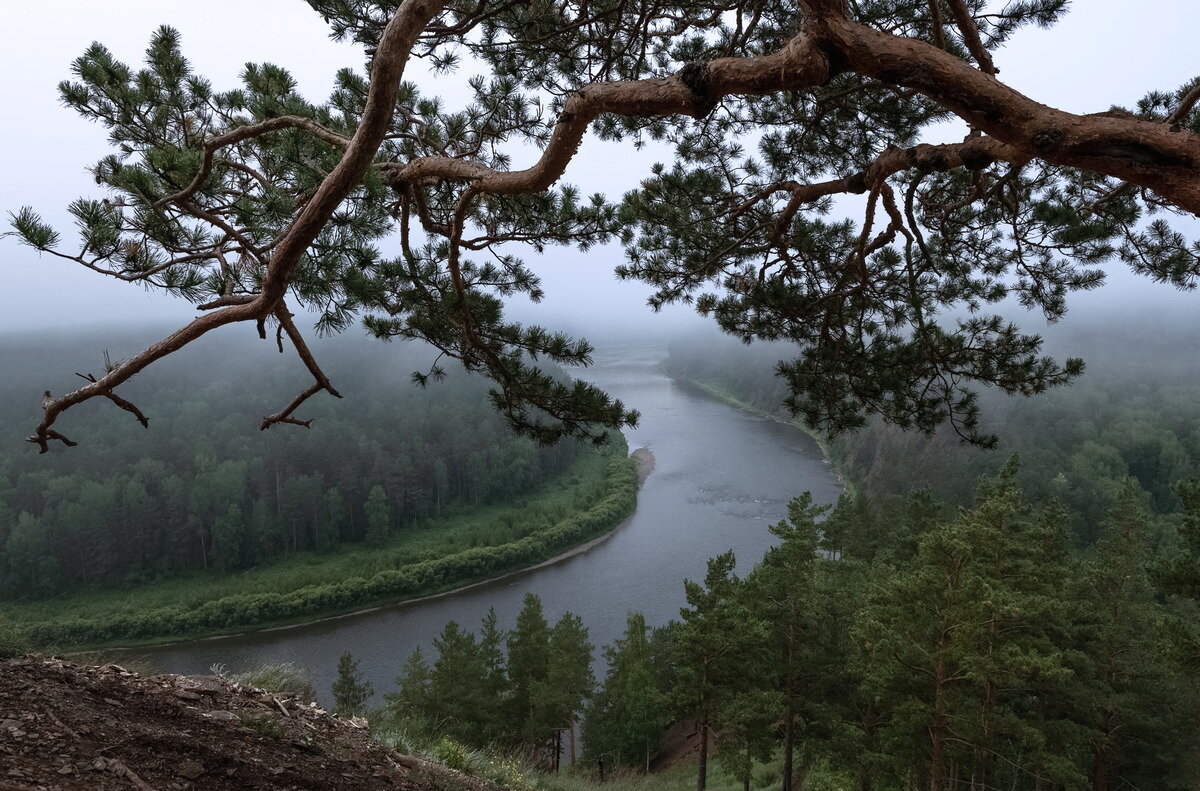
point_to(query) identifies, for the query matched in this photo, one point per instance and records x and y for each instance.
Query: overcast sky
(1104, 52)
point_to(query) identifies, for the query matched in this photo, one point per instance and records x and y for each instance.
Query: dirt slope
(65, 726)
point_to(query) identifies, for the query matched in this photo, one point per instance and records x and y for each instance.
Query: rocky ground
(66, 726)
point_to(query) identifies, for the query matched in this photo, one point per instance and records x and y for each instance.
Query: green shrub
(505, 773)
(452, 755)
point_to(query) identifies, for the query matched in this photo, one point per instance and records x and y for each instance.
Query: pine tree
(625, 720)
(494, 694)
(1133, 701)
(456, 683)
(414, 699)
(379, 519)
(718, 632)
(350, 691)
(528, 670)
(569, 680)
(783, 592)
(960, 642)
(745, 726)
(887, 317)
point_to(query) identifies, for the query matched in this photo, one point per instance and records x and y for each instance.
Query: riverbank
(567, 517)
(732, 400)
(642, 457)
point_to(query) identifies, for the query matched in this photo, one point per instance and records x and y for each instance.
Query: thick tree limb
(970, 34)
(694, 91)
(387, 70)
(1142, 152)
(1145, 153)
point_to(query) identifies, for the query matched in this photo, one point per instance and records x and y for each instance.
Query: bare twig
(286, 325)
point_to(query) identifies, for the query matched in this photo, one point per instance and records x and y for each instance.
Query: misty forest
(467, 395)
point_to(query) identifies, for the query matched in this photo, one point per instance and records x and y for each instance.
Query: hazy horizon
(45, 149)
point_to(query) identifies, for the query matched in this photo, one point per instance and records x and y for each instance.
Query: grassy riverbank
(595, 495)
(725, 396)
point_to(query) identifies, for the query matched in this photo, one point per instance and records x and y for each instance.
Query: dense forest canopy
(383, 205)
(211, 491)
(924, 647)
(1133, 415)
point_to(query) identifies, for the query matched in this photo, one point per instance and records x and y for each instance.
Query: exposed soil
(66, 726)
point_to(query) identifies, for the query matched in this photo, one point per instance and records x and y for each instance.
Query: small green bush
(452, 755)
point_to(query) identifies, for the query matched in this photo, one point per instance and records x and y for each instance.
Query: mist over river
(721, 477)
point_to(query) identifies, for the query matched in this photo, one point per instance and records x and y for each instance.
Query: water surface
(721, 477)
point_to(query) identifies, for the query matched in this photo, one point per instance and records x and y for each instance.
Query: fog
(45, 148)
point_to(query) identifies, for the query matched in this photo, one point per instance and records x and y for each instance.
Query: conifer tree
(626, 718)
(456, 683)
(414, 699)
(718, 632)
(494, 694)
(379, 518)
(253, 200)
(783, 592)
(745, 727)
(528, 670)
(1133, 701)
(350, 691)
(959, 642)
(569, 680)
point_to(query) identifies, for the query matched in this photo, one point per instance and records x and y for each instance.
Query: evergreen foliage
(522, 689)
(970, 646)
(350, 692)
(247, 198)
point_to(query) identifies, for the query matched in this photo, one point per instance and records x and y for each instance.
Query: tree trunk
(702, 775)
(802, 776)
(789, 739)
(937, 731)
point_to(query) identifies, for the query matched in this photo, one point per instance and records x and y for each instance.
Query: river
(721, 477)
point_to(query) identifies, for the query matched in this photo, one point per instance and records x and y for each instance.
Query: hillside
(65, 727)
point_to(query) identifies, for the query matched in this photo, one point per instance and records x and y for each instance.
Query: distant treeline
(1135, 413)
(900, 646)
(405, 579)
(204, 488)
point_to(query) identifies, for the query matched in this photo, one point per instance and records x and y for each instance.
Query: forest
(901, 645)
(206, 489)
(136, 535)
(1132, 414)
(1022, 619)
